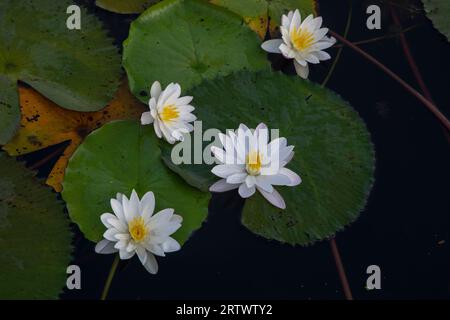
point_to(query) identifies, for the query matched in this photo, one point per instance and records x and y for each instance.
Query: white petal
(146, 118)
(250, 181)
(322, 55)
(225, 170)
(183, 101)
(312, 59)
(300, 60)
(110, 234)
(161, 218)
(176, 218)
(278, 179)
(274, 198)
(142, 254)
(147, 205)
(272, 46)
(131, 247)
(172, 98)
(294, 178)
(124, 236)
(188, 117)
(155, 248)
(319, 34)
(171, 245)
(167, 133)
(307, 23)
(104, 218)
(131, 208)
(116, 205)
(263, 183)
(124, 254)
(246, 192)
(157, 129)
(303, 72)
(222, 186)
(118, 224)
(186, 108)
(168, 228)
(285, 21)
(237, 178)
(316, 23)
(287, 52)
(166, 93)
(296, 20)
(218, 153)
(155, 91)
(322, 45)
(151, 265)
(105, 247)
(285, 35)
(121, 244)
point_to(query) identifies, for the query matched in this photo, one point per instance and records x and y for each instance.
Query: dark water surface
(404, 229)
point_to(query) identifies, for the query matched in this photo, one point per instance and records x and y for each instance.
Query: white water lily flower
(134, 229)
(302, 41)
(249, 162)
(169, 113)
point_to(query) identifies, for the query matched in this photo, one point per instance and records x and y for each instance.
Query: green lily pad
(438, 12)
(333, 152)
(119, 157)
(125, 6)
(9, 112)
(258, 14)
(186, 41)
(37, 48)
(35, 238)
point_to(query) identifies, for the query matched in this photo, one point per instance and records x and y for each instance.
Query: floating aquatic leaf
(188, 41)
(119, 157)
(333, 152)
(35, 239)
(37, 48)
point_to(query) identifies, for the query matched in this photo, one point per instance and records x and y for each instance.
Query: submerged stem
(437, 113)
(108, 282)
(338, 55)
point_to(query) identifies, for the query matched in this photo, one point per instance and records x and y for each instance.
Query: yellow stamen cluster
(302, 39)
(169, 113)
(253, 163)
(138, 230)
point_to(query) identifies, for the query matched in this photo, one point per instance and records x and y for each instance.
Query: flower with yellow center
(132, 228)
(169, 113)
(248, 162)
(302, 41)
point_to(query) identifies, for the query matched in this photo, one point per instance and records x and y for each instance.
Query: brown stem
(410, 59)
(341, 270)
(385, 37)
(413, 65)
(438, 114)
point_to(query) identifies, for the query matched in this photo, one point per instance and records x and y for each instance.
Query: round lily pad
(35, 239)
(119, 157)
(333, 152)
(187, 41)
(438, 12)
(125, 6)
(36, 47)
